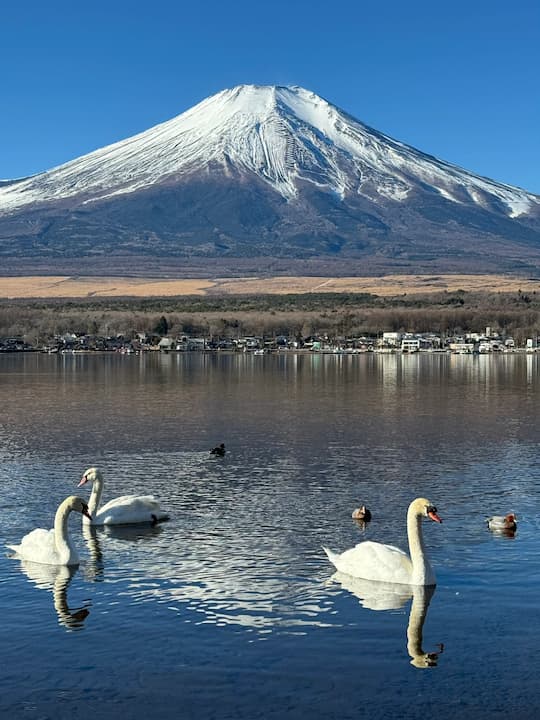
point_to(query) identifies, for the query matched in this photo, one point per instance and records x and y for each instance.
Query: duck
(55, 546)
(218, 450)
(123, 510)
(502, 522)
(386, 563)
(362, 513)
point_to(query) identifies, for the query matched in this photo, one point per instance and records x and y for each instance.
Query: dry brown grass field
(389, 285)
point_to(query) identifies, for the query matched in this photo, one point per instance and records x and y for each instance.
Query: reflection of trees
(391, 596)
(57, 579)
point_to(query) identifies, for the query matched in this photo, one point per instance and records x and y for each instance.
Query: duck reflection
(360, 524)
(57, 579)
(390, 596)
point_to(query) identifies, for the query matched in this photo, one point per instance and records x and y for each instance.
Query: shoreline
(283, 351)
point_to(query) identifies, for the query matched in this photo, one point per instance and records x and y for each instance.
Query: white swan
(123, 510)
(53, 547)
(386, 563)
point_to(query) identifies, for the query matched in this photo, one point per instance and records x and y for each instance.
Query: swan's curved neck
(67, 552)
(95, 496)
(422, 573)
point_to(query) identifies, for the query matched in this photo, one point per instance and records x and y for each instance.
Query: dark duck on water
(219, 450)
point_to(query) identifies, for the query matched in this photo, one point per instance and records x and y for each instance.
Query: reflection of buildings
(390, 596)
(57, 579)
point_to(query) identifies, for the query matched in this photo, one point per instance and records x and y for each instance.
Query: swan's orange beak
(84, 480)
(432, 515)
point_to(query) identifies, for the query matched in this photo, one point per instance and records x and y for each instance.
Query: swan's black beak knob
(432, 514)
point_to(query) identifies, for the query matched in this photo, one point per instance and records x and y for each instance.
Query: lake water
(230, 609)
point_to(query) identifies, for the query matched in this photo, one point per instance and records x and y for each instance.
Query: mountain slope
(270, 172)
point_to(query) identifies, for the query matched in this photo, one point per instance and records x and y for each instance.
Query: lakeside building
(406, 342)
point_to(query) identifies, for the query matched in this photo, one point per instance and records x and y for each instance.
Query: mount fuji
(266, 178)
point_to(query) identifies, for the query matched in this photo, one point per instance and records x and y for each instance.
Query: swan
(123, 510)
(500, 523)
(386, 563)
(362, 513)
(53, 547)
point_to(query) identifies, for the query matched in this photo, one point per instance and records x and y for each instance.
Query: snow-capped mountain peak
(285, 136)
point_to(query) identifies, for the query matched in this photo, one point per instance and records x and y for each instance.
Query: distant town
(385, 342)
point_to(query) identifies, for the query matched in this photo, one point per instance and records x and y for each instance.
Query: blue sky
(455, 79)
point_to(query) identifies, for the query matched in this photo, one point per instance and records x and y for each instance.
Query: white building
(391, 339)
(410, 345)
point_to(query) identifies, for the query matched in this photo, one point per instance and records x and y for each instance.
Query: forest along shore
(264, 309)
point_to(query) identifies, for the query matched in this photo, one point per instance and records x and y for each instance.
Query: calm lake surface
(230, 609)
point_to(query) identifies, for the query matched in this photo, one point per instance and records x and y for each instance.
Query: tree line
(333, 314)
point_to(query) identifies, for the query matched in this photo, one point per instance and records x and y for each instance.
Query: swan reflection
(131, 533)
(56, 578)
(93, 568)
(419, 607)
(390, 596)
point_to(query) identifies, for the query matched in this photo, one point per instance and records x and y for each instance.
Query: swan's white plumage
(123, 510)
(386, 563)
(38, 546)
(128, 509)
(53, 547)
(375, 561)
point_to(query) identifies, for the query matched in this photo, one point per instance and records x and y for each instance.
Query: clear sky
(459, 79)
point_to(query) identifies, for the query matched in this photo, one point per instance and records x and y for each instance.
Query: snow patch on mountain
(284, 136)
